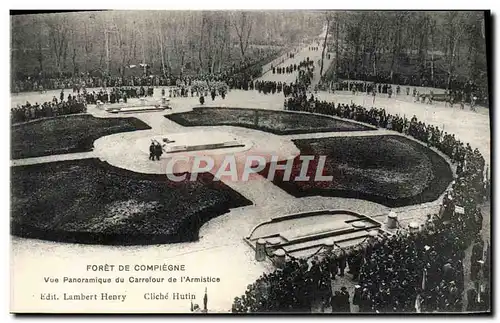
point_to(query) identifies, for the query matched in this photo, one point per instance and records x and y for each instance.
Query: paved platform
(302, 235)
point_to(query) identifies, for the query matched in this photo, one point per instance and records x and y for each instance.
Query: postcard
(250, 162)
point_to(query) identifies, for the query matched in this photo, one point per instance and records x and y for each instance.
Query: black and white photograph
(251, 162)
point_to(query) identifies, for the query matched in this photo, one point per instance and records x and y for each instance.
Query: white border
(195, 4)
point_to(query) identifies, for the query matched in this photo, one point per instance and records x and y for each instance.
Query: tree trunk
(182, 63)
(162, 55)
(74, 62)
(324, 46)
(40, 56)
(432, 68)
(455, 39)
(200, 58)
(356, 55)
(65, 56)
(167, 63)
(337, 44)
(395, 48)
(242, 35)
(163, 62)
(374, 64)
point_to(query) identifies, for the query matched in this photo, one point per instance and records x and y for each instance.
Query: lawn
(67, 134)
(276, 122)
(391, 170)
(89, 201)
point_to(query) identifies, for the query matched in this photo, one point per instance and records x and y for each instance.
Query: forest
(428, 47)
(169, 42)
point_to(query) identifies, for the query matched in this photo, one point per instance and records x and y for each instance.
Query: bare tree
(215, 38)
(243, 24)
(376, 32)
(74, 49)
(181, 41)
(455, 32)
(398, 21)
(328, 18)
(224, 43)
(87, 43)
(432, 40)
(209, 38)
(127, 43)
(200, 48)
(161, 42)
(58, 35)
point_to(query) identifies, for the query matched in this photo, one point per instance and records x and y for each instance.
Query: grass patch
(276, 122)
(390, 170)
(66, 134)
(89, 201)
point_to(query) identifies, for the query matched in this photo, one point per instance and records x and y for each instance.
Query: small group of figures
(155, 150)
(199, 89)
(213, 94)
(182, 92)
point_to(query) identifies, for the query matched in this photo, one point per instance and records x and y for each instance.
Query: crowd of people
(197, 88)
(458, 88)
(27, 112)
(293, 67)
(272, 87)
(301, 84)
(115, 94)
(295, 287)
(267, 87)
(450, 97)
(236, 75)
(368, 87)
(407, 272)
(77, 102)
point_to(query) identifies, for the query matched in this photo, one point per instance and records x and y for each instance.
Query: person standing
(335, 302)
(448, 271)
(356, 300)
(486, 268)
(158, 151)
(205, 301)
(332, 266)
(152, 151)
(472, 300)
(341, 262)
(477, 254)
(346, 305)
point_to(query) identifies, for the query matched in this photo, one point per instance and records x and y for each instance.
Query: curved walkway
(122, 150)
(221, 238)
